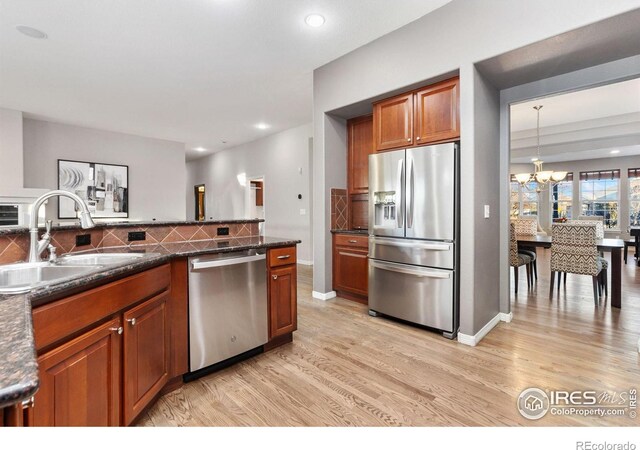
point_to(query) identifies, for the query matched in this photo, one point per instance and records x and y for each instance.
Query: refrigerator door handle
(400, 188)
(410, 196)
(411, 244)
(415, 271)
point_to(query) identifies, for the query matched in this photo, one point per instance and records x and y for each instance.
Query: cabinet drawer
(282, 256)
(62, 318)
(352, 240)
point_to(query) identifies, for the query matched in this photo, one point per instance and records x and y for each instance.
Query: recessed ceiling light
(200, 149)
(613, 152)
(31, 32)
(314, 20)
(262, 126)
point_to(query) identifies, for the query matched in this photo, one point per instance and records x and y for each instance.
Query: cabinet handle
(29, 403)
(418, 138)
(284, 257)
(117, 330)
(275, 277)
(408, 139)
(353, 241)
(132, 321)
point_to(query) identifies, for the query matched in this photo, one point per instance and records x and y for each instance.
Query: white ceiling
(197, 71)
(586, 124)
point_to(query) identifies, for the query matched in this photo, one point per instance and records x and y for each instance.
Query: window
(524, 201)
(634, 197)
(599, 195)
(561, 199)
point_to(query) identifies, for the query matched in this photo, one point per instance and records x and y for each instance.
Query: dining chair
(517, 259)
(574, 250)
(528, 226)
(597, 220)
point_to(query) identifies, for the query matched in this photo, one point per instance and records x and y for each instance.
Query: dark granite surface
(70, 226)
(18, 367)
(363, 232)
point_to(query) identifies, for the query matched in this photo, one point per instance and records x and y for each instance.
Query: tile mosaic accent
(15, 247)
(339, 209)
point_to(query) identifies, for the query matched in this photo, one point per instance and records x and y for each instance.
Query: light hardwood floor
(345, 368)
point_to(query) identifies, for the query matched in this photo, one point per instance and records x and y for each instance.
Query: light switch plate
(487, 211)
(303, 212)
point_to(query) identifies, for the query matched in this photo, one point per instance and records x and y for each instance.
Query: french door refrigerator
(413, 235)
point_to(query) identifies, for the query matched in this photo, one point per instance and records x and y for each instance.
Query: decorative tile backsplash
(339, 209)
(15, 247)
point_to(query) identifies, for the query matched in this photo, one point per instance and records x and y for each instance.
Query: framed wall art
(104, 187)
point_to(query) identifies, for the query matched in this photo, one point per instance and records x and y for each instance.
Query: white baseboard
(304, 262)
(473, 340)
(320, 296)
(504, 317)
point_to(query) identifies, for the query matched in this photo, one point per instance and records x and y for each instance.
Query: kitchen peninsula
(87, 329)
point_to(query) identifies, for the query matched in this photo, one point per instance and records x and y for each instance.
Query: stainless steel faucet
(36, 247)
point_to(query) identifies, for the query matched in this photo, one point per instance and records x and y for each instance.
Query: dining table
(635, 233)
(614, 246)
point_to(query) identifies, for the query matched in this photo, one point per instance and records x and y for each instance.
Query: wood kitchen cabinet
(146, 354)
(424, 116)
(80, 380)
(350, 266)
(393, 122)
(282, 292)
(103, 354)
(360, 136)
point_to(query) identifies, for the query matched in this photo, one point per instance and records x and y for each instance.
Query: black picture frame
(104, 187)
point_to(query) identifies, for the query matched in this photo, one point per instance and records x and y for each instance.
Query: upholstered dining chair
(516, 259)
(528, 226)
(597, 220)
(574, 250)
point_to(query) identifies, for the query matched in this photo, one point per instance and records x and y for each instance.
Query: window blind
(600, 175)
(634, 173)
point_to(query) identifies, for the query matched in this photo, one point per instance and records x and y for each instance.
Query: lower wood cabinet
(283, 300)
(106, 370)
(350, 266)
(146, 354)
(80, 380)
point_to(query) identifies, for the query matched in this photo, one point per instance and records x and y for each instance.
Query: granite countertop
(147, 223)
(363, 232)
(18, 366)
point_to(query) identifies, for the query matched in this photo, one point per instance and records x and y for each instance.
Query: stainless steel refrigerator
(413, 235)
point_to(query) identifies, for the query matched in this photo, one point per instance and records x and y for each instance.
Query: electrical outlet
(223, 231)
(137, 236)
(83, 239)
(303, 212)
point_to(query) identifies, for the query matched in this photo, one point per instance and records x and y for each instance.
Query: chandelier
(544, 178)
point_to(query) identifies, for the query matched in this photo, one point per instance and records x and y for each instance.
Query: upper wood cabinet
(393, 122)
(424, 116)
(360, 132)
(437, 112)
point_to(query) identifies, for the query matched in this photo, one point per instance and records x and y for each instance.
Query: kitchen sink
(93, 259)
(22, 277)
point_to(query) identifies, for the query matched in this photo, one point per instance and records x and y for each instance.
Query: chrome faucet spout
(36, 247)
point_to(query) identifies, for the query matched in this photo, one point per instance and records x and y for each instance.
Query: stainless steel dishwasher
(227, 306)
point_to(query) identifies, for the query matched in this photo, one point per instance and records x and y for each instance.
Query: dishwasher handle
(197, 265)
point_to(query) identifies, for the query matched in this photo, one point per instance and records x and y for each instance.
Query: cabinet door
(393, 123)
(146, 354)
(351, 270)
(283, 314)
(80, 381)
(360, 132)
(437, 112)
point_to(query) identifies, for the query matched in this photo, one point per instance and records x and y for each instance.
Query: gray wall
(11, 160)
(448, 40)
(277, 158)
(622, 163)
(156, 167)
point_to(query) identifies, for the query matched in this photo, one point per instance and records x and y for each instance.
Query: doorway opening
(256, 200)
(199, 192)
